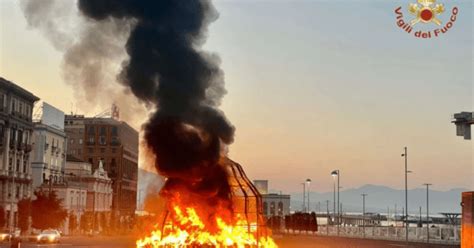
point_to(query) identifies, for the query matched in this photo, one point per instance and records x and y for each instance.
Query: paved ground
(330, 242)
(283, 242)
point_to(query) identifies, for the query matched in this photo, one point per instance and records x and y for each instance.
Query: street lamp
(427, 211)
(337, 173)
(308, 182)
(405, 154)
(304, 196)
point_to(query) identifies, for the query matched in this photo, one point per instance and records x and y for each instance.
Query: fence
(445, 235)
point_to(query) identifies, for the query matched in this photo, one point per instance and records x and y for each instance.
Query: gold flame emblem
(426, 11)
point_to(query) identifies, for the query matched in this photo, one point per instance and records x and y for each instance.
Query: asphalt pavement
(287, 241)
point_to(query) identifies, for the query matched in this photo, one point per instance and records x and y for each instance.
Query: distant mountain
(381, 197)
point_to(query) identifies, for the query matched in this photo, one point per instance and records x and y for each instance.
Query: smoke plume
(93, 52)
(167, 68)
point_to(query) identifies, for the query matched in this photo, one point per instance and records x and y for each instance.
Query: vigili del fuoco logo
(425, 12)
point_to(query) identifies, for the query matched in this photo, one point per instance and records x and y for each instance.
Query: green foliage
(72, 222)
(24, 212)
(47, 211)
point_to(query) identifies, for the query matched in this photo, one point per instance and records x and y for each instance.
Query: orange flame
(189, 230)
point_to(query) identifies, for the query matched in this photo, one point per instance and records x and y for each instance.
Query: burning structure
(208, 199)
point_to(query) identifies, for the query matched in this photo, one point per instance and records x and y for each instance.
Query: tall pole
(308, 181)
(427, 212)
(334, 201)
(363, 213)
(304, 196)
(405, 154)
(338, 206)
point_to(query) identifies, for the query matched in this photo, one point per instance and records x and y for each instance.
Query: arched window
(280, 208)
(272, 209)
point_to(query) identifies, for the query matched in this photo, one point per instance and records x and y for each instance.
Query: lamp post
(363, 213)
(304, 196)
(405, 154)
(427, 212)
(337, 173)
(308, 182)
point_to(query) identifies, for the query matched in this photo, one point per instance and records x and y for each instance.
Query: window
(91, 161)
(272, 208)
(91, 130)
(102, 131)
(12, 136)
(71, 141)
(13, 106)
(10, 163)
(18, 165)
(102, 140)
(280, 208)
(17, 193)
(265, 208)
(24, 164)
(80, 141)
(114, 131)
(21, 108)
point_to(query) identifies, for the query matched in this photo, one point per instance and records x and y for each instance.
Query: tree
(2, 217)
(24, 212)
(72, 222)
(48, 211)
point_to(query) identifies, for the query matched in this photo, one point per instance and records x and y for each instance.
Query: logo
(426, 12)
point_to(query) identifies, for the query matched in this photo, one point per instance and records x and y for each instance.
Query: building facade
(16, 128)
(114, 143)
(273, 204)
(49, 149)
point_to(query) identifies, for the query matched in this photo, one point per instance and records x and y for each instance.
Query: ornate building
(16, 128)
(114, 143)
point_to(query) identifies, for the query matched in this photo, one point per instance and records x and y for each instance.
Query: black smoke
(166, 67)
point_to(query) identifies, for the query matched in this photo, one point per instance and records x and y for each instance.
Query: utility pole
(427, 211)
(405, 154)
(363, 213)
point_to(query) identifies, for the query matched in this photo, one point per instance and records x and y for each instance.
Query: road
(283, 242)
(331, 242)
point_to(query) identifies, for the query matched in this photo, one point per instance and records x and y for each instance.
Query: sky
(312, 86)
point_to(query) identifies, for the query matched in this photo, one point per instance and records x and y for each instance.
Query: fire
(189, 229)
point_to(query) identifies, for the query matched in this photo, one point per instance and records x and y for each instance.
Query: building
(86, 194)
(463, 123)
(49, 149)
(16, 128)
(98, 185)
(273, 204)
(115, 143)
